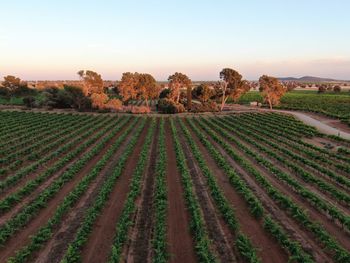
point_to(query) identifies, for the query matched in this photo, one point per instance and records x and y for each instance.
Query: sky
(52, 40)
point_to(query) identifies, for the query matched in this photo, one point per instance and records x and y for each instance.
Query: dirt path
(140, 246)
(21, 238)
(180, 242)
(268, 248)
(99, 244)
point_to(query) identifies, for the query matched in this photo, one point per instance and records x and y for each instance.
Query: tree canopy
(272, 90)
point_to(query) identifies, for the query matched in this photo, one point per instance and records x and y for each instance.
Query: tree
(290, 85)
(178, 81)
(127, 86)
(76, 97)
(322, 89)
(99, 100)
(272, 90)
(12, 84)
(337, 88)
(202, 92)
(231, 85)
(92, 82)
(147, 87)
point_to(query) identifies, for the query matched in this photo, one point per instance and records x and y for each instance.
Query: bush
(210, 106)
(165, 93)
(29, 101)
(169, 106)
(322, 89)
(140, 109)
(114, 105)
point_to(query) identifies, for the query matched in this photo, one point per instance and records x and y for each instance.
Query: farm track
(4, 216)
(22, 237)
(99, 243)
(179, 239)
(218, 231)
(140, 249)
(293, 228)
(268, 249)
(54, 250)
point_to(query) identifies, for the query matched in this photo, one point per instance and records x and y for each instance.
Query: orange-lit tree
(271, 89)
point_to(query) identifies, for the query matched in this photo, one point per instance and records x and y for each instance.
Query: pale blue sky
(54, 39)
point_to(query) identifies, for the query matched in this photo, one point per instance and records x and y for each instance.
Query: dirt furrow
(98, 246)
(179, 239)
(218, 231)
(140, 247)
(268, 248)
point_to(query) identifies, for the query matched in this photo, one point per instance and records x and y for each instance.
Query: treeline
(177, 96)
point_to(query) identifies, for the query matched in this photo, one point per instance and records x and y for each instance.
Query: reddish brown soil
(22, 237)
(140, 247)
(100, 241)
(218, 231)
(268, 248)
(65, 233)
(179, 238)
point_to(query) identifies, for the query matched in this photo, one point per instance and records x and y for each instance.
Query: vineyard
(336, 105)
(248, 187)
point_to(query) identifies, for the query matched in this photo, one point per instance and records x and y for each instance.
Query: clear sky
(54, 39)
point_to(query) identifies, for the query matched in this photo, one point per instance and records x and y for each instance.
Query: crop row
(227, 211)
(46, 231)
(160, 229)
(125, 219)
(31, 185)
(73, 253)
(30, 210)
(256, 208)
(338, 252)
(197, 225)
(254, 139)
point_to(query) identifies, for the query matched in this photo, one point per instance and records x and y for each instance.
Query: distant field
(331, 104)
(250, 187)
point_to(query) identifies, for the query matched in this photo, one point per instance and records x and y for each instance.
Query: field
(250, 187)
(331, 104)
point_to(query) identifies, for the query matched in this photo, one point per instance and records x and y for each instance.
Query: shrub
(99, 100)
(140, 109)
(165, 93)
(209, 106)
(114, 105)
(169, 106)
(337, 88)
(29, 101)
(322, 89)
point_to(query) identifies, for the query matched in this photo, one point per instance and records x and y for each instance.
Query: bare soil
(179, 238)
(100, 241)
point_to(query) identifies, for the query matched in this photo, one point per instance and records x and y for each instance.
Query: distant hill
(307, 79)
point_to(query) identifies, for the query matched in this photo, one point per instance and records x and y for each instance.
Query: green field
(331, 104)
